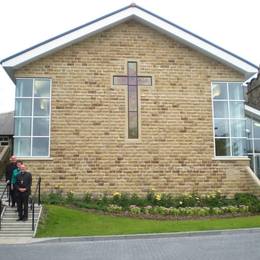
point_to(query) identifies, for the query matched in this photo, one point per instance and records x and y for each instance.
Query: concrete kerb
(123, 237)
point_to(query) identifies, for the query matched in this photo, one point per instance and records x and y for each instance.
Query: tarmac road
(244, 245)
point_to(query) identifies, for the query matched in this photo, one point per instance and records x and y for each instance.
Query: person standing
(10, 167)
(23, 187)
(16, 172)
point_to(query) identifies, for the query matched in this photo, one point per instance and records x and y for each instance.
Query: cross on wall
(132, 81)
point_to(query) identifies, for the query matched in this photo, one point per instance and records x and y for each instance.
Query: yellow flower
(158, 196)
(118, 194)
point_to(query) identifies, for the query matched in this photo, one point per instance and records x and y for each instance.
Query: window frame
(32, 117)
(229, 119)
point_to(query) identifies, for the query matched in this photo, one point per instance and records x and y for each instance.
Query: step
(17, 229)
(14, 221)
(15, 235)
(13, 210)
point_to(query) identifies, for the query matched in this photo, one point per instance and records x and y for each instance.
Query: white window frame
(32, 116)
(230, 137)
(252, 139)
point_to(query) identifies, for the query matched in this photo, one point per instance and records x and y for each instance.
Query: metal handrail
(37, 193)
(1, 202)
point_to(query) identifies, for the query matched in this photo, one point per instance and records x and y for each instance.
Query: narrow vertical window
(229, 119)
(32, 117)
(133, 81)
(132, 101)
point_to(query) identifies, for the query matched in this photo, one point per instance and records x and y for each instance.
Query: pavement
(31, 240)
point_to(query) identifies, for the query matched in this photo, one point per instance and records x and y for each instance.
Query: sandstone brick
(89, 149)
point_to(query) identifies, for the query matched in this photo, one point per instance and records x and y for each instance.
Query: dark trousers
(12, 195)
(22, 201)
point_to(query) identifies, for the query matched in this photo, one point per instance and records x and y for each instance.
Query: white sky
(231, 24)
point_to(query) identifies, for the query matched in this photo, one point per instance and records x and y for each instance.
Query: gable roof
(7, 123)
(129, 12)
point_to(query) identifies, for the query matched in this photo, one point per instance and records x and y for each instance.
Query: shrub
(70, 197)
(114, 208)
(147, 209)
(87, 197)
(55, 198)
(134, 209)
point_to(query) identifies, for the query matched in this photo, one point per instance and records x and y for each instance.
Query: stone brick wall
(253, 94)
(89, 150)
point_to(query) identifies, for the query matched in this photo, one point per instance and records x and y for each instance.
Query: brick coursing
(89, 150)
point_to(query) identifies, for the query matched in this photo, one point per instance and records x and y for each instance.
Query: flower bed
(161, 204)
(187, 211)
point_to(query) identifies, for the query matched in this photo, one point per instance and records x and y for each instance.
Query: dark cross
(132, 80)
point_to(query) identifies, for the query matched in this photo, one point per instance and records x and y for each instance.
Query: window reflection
(41, 107)
(40, 147)
(24, 87)
(237, 109)
(236, 91)
(22, 146)
(22, 126)
(221, 109)
(238, 147)
(42, 88)
(219, 90)
(221, 128)
(222, 147)
(238, 128)
(256, 129)
(23, 107)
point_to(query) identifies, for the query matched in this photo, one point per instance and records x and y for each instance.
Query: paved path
(208, 246)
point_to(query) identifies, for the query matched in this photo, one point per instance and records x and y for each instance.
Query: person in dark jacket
(23, 187)
(16, 172)
(10, 167)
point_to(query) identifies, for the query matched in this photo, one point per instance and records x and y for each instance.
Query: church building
(132, 102)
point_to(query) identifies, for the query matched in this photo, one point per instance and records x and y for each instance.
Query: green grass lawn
(62, 221)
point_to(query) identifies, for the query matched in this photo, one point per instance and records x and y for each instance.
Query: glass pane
(256, 129)
(24, 87)
(221, 109)
(222, 147)
(23, 107)
(41, 107)
(22, 146)
(120, 80)
(238, 147)
(257, 146)
(132, 125)
(144, 81)
(238, 128)
(237, 109)
(248, 128)
(132, 98)
(41, 127)
(219, 90)
(249, 145)
(22, 126)
(221, 127)
(132, 69)
(236, 91)
(257, 165)
(132, 80)
(41, 88)
(40, 147)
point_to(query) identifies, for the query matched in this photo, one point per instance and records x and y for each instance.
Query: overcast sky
(231, 24)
